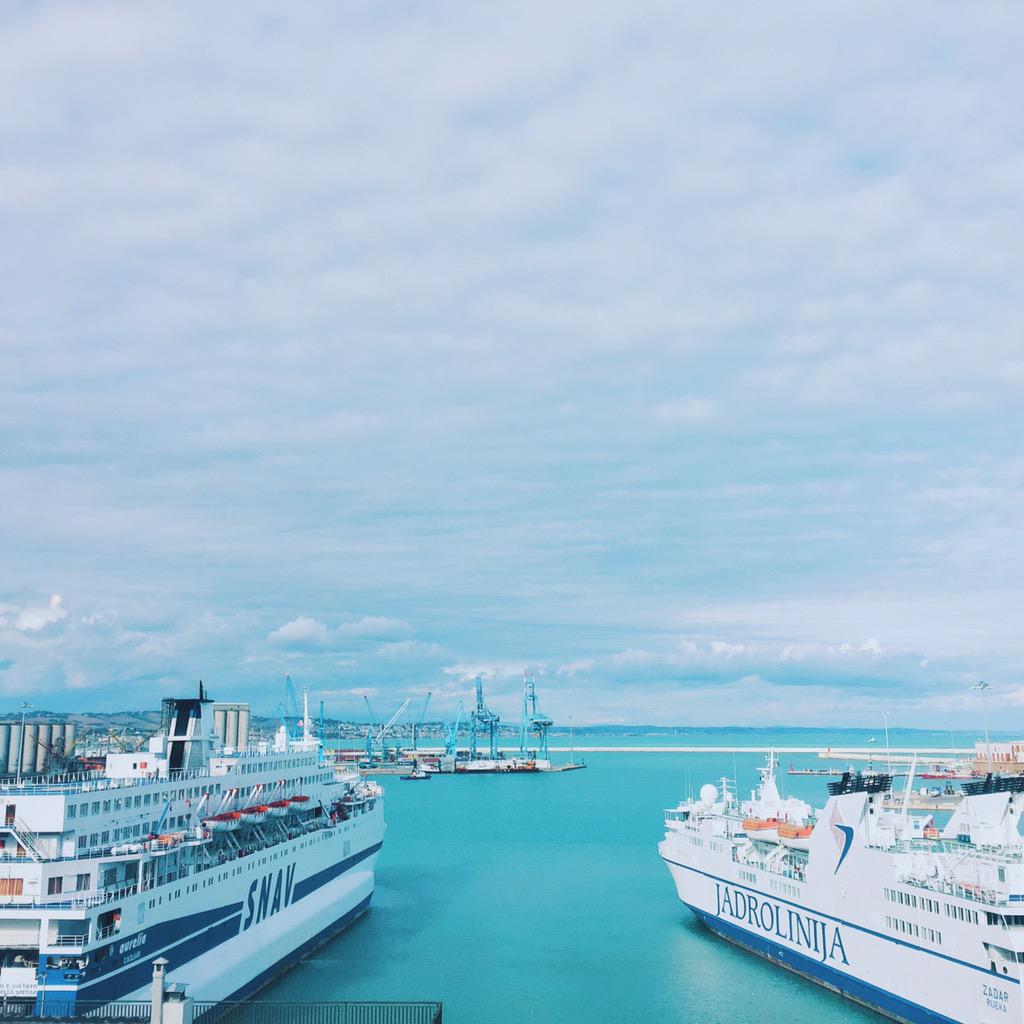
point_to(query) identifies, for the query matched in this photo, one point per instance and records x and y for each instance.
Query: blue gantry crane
(483, 721)
(533, 720)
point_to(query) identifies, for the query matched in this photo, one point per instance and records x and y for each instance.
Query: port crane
(288, 710)
(484, 721)
(376, 736)
(419, 721)
(451, 739)
(533, 720)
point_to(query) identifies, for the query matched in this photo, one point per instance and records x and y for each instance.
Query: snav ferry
(920, 923)
(230, 863)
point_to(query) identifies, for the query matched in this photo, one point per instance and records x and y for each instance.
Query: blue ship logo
(847, 840)
(843, 835)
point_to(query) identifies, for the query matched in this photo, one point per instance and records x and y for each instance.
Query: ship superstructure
(230, 862)
(921, 923)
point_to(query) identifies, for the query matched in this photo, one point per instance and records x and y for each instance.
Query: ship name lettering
(268, 895)
(996, 998)
(135, 942)
(822, 938)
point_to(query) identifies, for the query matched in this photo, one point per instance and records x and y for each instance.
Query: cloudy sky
(673, 354)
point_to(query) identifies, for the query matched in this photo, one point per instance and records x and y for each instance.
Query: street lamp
(981, 688)
(21, 749)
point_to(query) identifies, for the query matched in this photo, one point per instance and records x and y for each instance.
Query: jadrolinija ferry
(230, 863)
(922, 924)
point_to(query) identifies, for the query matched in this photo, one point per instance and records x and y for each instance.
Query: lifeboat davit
(254, 815)
(764, 829)
(224, 822)
(797, 837)
(277, 808)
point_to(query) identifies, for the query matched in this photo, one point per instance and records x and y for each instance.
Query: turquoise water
(542, 898)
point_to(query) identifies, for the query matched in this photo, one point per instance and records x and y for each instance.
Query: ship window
(54, 886)
(82, 840)
(82, 882)
(95, 807)
(11, 886)
(72, 810)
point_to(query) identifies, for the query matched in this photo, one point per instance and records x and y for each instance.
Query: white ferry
(230, 862)
(920, 923)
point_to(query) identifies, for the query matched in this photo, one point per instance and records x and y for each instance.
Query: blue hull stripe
(844, 922)
(188, 947)
(267, 976)
(845, 984)
(314, 882)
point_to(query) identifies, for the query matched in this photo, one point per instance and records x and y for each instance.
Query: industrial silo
(243, 726)
(42, 748)
(28, 747)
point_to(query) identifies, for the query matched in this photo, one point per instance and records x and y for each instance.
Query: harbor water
(542, 898)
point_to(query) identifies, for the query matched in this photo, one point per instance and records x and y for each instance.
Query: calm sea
(542, 898)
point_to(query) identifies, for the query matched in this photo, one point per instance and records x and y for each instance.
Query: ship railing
(55, 1008)
(998, 854)
(950, 887)
(68, 941)
(76, 903)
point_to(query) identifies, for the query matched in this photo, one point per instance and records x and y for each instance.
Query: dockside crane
(484, 720)
(451, 739)
(376, 736)
(419, 721)
(288, 710)
(533, 720)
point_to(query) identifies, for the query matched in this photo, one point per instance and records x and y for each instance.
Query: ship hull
(842, 951)
(236, 933)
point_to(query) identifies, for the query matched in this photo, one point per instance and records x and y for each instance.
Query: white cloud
(34, 618)
(376, 627)
(302, 630)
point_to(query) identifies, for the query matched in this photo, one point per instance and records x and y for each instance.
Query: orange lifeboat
(764, 829)
(797, 837)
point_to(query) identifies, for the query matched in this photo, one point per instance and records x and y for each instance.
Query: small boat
(416, 775)
(254, 815)
(225, 822)
(300, 800)
(277, 808)
(764, 829)
(797, 837)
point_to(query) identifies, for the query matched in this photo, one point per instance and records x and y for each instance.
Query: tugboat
(416, 775)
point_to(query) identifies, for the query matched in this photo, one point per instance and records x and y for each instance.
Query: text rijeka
(819, 937)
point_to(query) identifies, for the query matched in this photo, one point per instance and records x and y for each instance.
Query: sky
(672, 353)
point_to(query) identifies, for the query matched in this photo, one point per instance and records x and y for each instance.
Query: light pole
(21, 750)
(888, 756)
(981, 688)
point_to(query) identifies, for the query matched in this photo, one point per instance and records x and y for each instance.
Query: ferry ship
(230, 862)
(923, 924)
